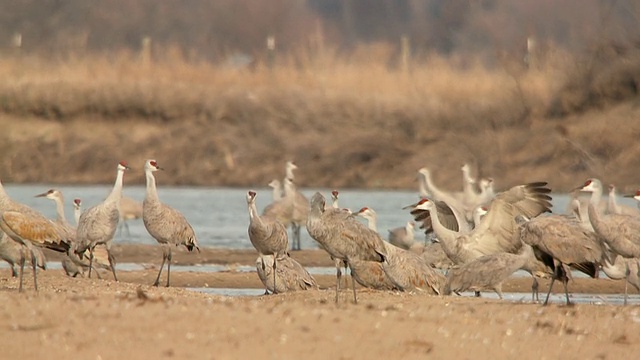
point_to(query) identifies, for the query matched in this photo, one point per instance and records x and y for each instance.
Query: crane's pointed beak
(41, 195)
(410, 206)
(629, 195)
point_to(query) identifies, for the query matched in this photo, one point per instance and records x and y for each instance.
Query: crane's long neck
(152, 191)
(116, 193)
(409, 229)
(253, 212)
(334, 203)
(76, 214)
(423, 184)
(277, 192)
(289, 187)
(372, 222)
(612, 204)
(467, 182)
(592, 210)
(60, 218)
(447, 237)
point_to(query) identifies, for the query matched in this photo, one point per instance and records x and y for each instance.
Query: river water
(220, 219)
(219, 215)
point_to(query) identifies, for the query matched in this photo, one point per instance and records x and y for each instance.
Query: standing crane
(267, 235)
(164, 223)
(568, 245)
(97, 225)
(405, 270)
(29, 228)
(14, 254)
(619, 231)
(486, 272)
(343, 237)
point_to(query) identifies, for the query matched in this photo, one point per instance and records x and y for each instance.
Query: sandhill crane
(300, 205)
(435, 257)
(277, 189)
(15, 254)
(403, 237)
(620, 232)
(496, 231)
(97, 225)
(406, 270)
(614, 208)
(290, 275)
(130, 209)
(568, 244)
(75, 264)
(164, 223)
(462, 204)
(486, 272)
(409, 272)
(342, 236)
(29, 228)
(267, 235)
(70, 262)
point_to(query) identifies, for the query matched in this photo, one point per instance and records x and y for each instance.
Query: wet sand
(103, 319)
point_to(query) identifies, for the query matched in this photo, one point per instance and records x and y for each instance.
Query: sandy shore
(103, 319)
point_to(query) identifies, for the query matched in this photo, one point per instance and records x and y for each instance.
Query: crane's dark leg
(22, 260)
(164, 258)
(498, 290)
(534, 290)
(346, 283)
(126, 226)
(112, 263)
(169, 257)
(275, 260)
(353, 285)
(339, 276)
(90, 260)
(34, 265)
(553, 279)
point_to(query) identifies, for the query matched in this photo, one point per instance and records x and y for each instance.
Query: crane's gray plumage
(486, 272)
(15, 254)
(97, 225)
(342, 236)
(29, 228)
(164, 223)
(409, 272)
(403, 237)
(566, 242)
(406, 270)
(619, 231)
(267, 235)
(290, 275)
(371, 274)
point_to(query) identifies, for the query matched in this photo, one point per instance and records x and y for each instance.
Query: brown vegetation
(347, 123)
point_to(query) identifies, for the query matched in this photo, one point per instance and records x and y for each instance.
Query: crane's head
(77, 203)
(367, 213)
(635, 195)
(251, 196)
(334, 194)
(423, 204)
(122, 166)
(612, 187)
(275, 183)
(152, 165)
(291, 165)
(51, 194)
(590, 185)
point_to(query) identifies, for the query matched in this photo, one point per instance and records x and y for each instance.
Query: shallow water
(219, 215)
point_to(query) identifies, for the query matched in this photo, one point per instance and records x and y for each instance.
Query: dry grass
(348, 121)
